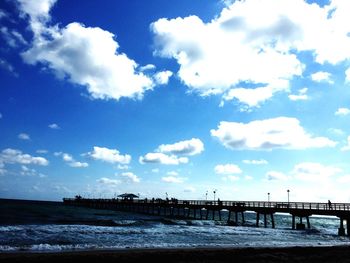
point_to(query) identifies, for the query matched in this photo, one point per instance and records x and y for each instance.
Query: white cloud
(109, 155)
(242, 46)
(231, 178)
(273, 175)
(76, 164)
(189, 147)
(172, 179)
(281, 132)
(300, 96)
(162, 159)
(2, 168)
(155, 170)
(172, 173)
(148, 67)
(346, 147)
(342, 111)
(107, 181)
(71, 161)
(23, 136)
(14, 156)
(253, 97)
(8, 67)
(123, 167)
(87, 56)
(67, 157)
(347, 75)
(131, 176)
(12, 37)
(172, 154)
(315, 172)
(26, 171)
(210, 56)
(36, 10)
(345, 179)
(0, 115)
(54, 126)
(336, 131)
(162, 78)
(227, 169)
(322, 76)
(255, 162)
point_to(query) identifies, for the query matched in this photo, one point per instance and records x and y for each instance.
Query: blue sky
(179, 97)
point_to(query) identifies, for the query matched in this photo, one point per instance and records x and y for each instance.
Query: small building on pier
(128, 196)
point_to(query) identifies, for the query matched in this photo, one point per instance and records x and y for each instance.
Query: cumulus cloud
(130, 176)
(24, 136)
(108, 182)
(347, 75)
(162, 158)
(346, 147)
(26, 171)
(54, 126)
(174, 153)
(240, 47)
(300, 96)
(109, 155)
(172, 179)
(315, 172)
(162, 77)
(281, 132)
(227, 169)
(188, 147)
(14, 156)
(253, 97)
(2, 168)
(322, 76)
(71, 161)
(255, 162)
(276, 176)
(342, 111)
(88, 56)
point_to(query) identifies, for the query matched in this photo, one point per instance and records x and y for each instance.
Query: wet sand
(241, 255)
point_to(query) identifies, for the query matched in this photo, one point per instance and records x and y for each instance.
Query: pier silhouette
(204, 209)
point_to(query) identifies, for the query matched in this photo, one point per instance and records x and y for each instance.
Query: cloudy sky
(180, 97)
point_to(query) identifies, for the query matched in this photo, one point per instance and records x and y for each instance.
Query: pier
(208, 210)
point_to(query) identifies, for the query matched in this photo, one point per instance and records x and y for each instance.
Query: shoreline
(248, 254)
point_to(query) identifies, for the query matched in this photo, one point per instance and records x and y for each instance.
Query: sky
(185, 99)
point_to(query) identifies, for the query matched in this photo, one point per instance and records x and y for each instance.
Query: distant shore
(189, 255)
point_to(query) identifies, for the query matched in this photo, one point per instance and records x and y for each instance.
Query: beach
(292, 254)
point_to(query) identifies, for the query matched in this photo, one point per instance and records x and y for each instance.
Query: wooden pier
(203, 209)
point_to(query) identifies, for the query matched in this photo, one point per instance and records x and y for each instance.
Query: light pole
(268, 197)
(206, 196)
(214, 194)
(288, 196)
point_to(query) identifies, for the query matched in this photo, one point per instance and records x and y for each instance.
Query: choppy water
(37, 226)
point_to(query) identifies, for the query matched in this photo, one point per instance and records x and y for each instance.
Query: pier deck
(200, 209)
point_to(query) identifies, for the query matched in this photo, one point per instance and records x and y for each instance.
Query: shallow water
(36, 226)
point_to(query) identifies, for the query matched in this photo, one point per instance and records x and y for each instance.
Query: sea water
(53, 226)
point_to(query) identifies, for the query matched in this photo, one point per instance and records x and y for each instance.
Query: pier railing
(226, 204)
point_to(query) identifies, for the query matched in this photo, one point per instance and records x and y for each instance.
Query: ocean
(38, 226)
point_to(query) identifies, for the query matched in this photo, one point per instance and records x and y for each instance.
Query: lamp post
(214, 194)
(288, 196)
(268, 197)
(206, 195)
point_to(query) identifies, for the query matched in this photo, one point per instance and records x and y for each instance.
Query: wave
(101, 222)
